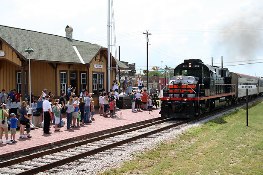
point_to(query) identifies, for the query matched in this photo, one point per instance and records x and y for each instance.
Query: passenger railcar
(197, 88)
(260, 86)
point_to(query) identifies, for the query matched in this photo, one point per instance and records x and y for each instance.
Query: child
(13, 126)
(150, 104)
(112, 105)
(76, 111)
(79, 120)
(92, 110)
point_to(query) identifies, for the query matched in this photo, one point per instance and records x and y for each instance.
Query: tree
(152, 73)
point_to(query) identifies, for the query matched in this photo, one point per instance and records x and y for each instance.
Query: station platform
(124, 117)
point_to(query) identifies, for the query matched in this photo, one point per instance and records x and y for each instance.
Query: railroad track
(47, 159)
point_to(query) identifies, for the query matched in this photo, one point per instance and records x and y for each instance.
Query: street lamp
(29, 50)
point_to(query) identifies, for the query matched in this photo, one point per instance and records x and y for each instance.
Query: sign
(98, 66)
(247, 86)
(2, 53)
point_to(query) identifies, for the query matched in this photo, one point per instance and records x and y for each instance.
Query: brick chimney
(69, 31)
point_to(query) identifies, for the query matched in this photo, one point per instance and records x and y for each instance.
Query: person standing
(101, 104)
(106, 104)
(23, 119)
(62, 98)
(129, 86)
(13, 125)
(138, 96)
(115, 85)
(112, 105)
(140, 83)
(144, 99)
(70, 110)
(13, 107)
(116, 95)
(92, 110)
(3, 96)
(132, 96)
(3, 124)
(39, 112)
(82, 110)
(87, 101)
(149, 104)
(63, 110)
(56, 110)
(76, 111)
(125, 86)
(47, 115)
(69, 92)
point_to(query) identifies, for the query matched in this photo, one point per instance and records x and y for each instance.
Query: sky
(180, 29)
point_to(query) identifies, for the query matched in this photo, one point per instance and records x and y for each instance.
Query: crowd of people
(76, 110)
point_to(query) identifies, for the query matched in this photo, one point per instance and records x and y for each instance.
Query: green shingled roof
(48, 47)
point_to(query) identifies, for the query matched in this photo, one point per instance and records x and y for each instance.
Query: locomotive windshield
(188, 72)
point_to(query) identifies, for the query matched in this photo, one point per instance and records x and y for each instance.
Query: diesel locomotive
(197, 88)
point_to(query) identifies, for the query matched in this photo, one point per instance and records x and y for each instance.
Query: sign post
(247, 104)
(246, 87)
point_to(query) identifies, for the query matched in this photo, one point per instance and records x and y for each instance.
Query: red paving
(125, 116)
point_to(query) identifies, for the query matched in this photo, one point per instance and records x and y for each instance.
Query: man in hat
(47, 114)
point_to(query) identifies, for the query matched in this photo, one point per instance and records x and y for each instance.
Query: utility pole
(147, 44)
(119, 67)
(109, 44)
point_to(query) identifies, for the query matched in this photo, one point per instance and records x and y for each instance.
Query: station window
(63, 81)
(19, 82)
(83, 81)
(97, 82)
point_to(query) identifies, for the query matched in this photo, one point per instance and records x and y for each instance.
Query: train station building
(55, 63)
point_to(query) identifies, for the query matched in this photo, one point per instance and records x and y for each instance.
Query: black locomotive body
(196, 88)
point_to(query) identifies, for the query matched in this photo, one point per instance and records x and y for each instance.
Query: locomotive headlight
(185, 99)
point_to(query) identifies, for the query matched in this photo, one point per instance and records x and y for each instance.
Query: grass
(222, 146)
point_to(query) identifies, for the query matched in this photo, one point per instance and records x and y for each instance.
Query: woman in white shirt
(101, 103)
(106, 104)
(138, 102)
(70, 110)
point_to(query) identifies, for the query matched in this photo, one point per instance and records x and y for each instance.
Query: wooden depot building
(55, 63)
